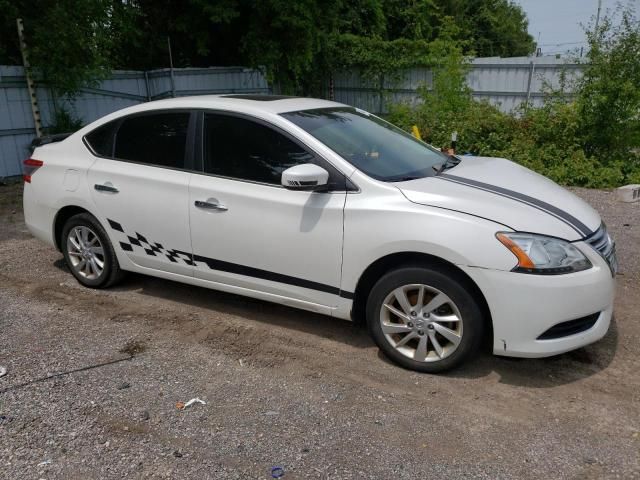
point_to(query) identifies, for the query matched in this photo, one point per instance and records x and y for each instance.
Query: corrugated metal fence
(123, 89)
(504, 82)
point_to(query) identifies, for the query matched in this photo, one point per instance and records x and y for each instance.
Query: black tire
(447, 282)
(111, 272)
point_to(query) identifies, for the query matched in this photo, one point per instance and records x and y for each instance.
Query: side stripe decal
(265, 274)
(561, 215)
(154, 249)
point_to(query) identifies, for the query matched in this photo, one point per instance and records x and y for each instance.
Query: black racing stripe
(134, 241)
(570, 220)
(175, 255)
(115, 225)
(266, 275)
(141, 238)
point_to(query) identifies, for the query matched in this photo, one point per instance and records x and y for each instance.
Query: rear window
(100, 140)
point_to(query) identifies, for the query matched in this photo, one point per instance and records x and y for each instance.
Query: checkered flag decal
(152, 249)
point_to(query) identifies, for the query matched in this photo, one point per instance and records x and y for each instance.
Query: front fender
(398, 226)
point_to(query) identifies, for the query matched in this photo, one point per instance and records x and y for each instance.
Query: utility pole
(35, 111)
(598, 15)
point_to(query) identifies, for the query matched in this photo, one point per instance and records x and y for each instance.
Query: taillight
(30, 167)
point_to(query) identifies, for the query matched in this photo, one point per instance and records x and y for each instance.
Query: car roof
(255, 103)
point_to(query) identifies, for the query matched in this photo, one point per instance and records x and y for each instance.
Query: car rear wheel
(424, 319)
(89, 253)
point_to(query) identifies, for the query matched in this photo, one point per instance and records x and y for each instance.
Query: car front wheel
(424, 319)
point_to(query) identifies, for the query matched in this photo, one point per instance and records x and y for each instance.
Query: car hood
(507, 193)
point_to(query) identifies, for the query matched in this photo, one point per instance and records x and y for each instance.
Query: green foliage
(297, 43)
(373, 56)
(544, 140)
(287, 37)
(493, 27)
(609, 92)
(569, 142)
(71, 43)
(64, 121)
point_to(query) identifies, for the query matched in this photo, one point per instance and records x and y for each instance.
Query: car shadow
(536, 373)
(250, 308)
(545, 372)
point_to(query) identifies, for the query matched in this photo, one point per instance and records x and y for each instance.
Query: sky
(558, 21)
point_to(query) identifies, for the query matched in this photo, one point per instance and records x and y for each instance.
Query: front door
(142, 190)
(249, 231)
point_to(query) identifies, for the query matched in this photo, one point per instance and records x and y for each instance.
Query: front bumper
(524, 306)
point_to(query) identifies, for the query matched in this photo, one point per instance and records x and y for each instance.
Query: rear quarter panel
(60, 182)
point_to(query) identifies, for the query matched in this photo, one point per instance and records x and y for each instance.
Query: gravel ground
(94, 377)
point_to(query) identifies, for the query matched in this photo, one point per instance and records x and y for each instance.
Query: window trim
(350, 186)
(189, 158)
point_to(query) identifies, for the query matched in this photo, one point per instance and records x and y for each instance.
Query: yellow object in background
(416, 132)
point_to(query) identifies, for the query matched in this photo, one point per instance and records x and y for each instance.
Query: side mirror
(305, 177)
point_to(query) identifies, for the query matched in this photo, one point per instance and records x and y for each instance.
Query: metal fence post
(173, 82)
(35, 111)
(381, 95)
(532, 67)
(146, 84)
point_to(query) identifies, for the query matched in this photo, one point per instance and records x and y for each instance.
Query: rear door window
(158, 139)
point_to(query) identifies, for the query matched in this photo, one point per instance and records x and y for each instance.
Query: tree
(608, 94)
(492, 27)
(71, 44)
(295, 42)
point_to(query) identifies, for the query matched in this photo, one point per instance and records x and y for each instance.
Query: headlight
(543, 255)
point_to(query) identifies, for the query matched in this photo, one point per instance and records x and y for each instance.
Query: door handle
(105, 188)
(210, 206)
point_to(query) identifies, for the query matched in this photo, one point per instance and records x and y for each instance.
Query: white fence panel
(505, 82)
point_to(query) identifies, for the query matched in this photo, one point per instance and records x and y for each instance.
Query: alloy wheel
(421, 322)
(86, 252)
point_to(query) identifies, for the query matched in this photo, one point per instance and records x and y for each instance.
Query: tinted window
(101, 139)
(158, 139)
(369, 143)
(240, 148)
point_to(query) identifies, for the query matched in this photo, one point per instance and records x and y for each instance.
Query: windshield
(372, 145)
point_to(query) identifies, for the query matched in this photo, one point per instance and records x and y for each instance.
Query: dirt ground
(94, 377)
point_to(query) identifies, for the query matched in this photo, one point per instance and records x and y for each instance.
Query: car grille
(602, 243)
(571, 327)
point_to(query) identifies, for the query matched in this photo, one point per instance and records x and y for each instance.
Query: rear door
(264, 237)
(140, 185)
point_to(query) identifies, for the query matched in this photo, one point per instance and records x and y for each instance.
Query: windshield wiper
(408, 178)
(450, 162)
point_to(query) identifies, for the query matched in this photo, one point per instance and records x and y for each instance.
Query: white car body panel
(513, 213)
(522, 310)
(330, 239)
(268, 228)
(141, 211)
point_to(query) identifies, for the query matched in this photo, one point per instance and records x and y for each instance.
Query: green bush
(545, 140)
(592, 141)
(64, 121)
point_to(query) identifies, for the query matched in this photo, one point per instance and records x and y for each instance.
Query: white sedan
(327, 208)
